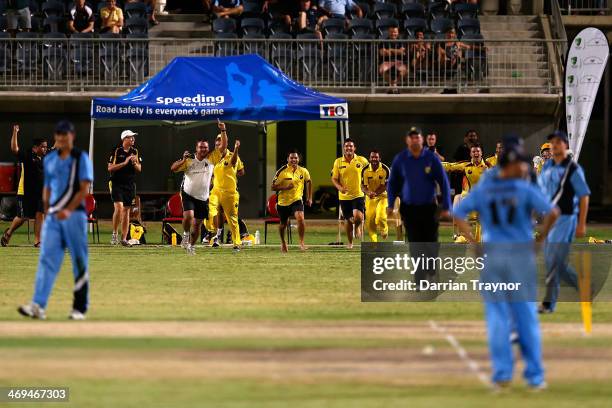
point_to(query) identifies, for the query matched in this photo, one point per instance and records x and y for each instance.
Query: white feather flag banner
(586, 62)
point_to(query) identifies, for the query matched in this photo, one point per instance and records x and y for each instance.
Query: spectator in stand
(450, 52)
(281, 10)
(227, 8)
(18, 16)
(393, 55)
(81, 18)
(431, 143)
(307, 17)
(112, 18)
(337, 9)
(421, 50)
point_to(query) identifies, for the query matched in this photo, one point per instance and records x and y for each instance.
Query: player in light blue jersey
(68, 174)
(506, 202)
(563, 182)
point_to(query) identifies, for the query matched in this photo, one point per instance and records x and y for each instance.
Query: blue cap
(560, 134)
(513, 150)
(64, 126)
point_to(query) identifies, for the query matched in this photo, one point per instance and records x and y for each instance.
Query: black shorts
(123, 193)
(286, 211)
(29, 206)
(349, 205)
(199, 207)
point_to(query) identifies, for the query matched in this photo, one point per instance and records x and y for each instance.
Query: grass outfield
(260, 328)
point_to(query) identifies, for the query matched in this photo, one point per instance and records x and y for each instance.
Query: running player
(289, 183)
(224, 193)
(505, 203)
(29, 193)
(374, 184)
(68, 175)
(195, 190)
(492, 161)
(346, 177)
(563, 182)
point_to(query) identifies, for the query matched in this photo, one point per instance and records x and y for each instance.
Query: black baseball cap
(514, 151)
(414, 131)
(64, 126)
(560, 134)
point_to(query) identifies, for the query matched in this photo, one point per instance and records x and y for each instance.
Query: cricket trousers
(556, 255)
(376, 217)
(57, 236)
(228, 200)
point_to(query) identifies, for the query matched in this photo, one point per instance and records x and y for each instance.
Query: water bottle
(257, 238)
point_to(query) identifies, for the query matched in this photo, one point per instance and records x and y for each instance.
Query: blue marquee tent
(242, 87)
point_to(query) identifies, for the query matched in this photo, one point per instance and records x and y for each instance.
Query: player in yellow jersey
(289, 183)
(499, 148)
(225, 188)
(374, 184)
(472, 170)
(346, 176)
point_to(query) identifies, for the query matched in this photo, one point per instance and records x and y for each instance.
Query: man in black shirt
(29, 194)
(81, 18)
(463, 153)
(123, 164)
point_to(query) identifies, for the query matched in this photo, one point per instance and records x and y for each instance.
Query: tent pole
(91, 146)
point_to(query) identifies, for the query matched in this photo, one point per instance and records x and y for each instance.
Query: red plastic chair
(90, 210)
(174, 212)
(273, 218)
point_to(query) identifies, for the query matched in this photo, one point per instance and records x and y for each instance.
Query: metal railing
(338, 65)
(558, 29)
(585, 7)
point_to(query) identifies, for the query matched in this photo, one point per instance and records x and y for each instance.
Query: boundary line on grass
(461, 352)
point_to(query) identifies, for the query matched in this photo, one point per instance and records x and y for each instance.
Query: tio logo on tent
(334, 111)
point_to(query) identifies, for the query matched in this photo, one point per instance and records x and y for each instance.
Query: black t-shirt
(81, 17)
(127, 174)
(32, 173)
(392, 45)
(435, 148)
(462, 153)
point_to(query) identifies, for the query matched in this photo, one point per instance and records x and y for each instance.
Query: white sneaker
(76, 315)
(32, 310)
(191, 250)
(114, 240)
(185, 241)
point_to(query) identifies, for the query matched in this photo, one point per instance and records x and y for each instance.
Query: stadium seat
(337, 56)
(5, 53)
(282, 53)
(277, 26)
(135, 10)
(308, 56)
(54, 24)
(226, 46)
(384, 10)
(53, 8)
(413, 10)
(90, 210)
(412, 25)
(365, 9)
(251, 10)
(136, 25)
(256, 45)
(34, 7)
(362, 58)
(3, 23)
(110, 55)
(359, 26)
(54, 55)
(438, 9)
(382, 26)
(3, 6)
(27, 53)
(272, 218)
(332, 26)
(173, 212)
(224, 25)
(441, 25)
(465, 10)
(252, 26)
(468, 26)
(81, 54)
(137, 55)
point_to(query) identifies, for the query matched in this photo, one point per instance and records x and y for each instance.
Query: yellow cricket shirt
(349, 175)
(286, 174)
(373, 179)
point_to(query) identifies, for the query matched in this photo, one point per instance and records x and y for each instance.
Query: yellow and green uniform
(376, 208)
(225, 190)
(471, 173)
(349, 175)
(491, 161)
(286, 174)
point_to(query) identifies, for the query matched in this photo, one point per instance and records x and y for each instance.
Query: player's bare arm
(278, 186)
(14, 139)
(45, 197)
(75, 202)
(547, 223)
(136, 163)
(465, 229)
(235, 154)
(583, 209)
(223, 132)
(177, 164)
(338, 185)
(114, 167)
(309, 193)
